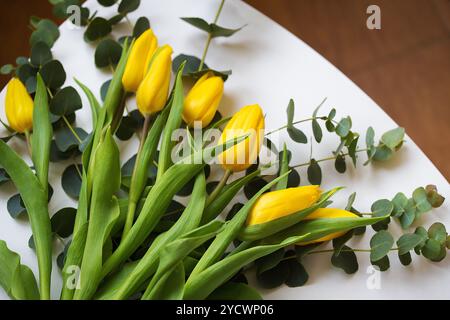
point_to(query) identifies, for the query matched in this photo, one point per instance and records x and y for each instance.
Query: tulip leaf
(71, 180)
(380, 244)
(142, 24)
(127, 6)
(107, 53)
(314, 172)
(53, 74)
(98, 28)
(345, 259)
(63, 221)
(17, 280)
(66, 101)
(235, 291)
(40, 54)
(198, 23)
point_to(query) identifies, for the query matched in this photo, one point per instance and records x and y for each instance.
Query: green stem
(71, 129)
(208, 41)
(28, 139)
(133, 204)
(326, 159)
(332, 250)
(296, 122)
(218, 188)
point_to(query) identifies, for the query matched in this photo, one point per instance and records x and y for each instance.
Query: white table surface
(270, 65)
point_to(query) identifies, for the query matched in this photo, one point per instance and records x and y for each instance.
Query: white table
(270, 65)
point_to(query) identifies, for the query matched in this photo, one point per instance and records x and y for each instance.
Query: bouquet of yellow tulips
(130, 238)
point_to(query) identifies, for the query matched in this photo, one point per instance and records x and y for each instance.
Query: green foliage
(142, 24)
(40, 54)
(71, 180)
(212, 29)
(192, 65)
(98, 28)
(53, 74)
(380, 244)
(345, 259)
(62, 222)
(66, 101)
(107, 53)
(314, 172)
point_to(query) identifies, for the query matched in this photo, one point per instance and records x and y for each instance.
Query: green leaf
(345, 260)
(270, 261)
(409, 215)
(170, 286)
(383, 264)
(66, 101)
(437, 232)
(393, 138)
(16, 279)
(370, 137)
(63, 221)
(352, 150)
(421, 200)
(142, 24)
(400, 203)
(253, 187)
(434, 198)
(433, 250)
(405, 259)
(290, 110)
(297, 135)
(218, 31)
(15, 206)
(21, 60)
(343, 127)
(107, 3)
(6, 69)
(41, 35)
(314, 172)
(235, 291)
(339, 243)
(350, 201)
(340, 164)
(298, 275)
(407, 242)
(71, 181)
(382, 207)
(198, 23)
(422, 232)
(98, 28)
(104, 89)
(317, 130)
(60, 8)
(65, 139)
(274, 277)
(40, 54)
(26, 71)
(127, 6)
(380, 245)
(53, 74)
(330, 126)
(382, 153)
(107, 53)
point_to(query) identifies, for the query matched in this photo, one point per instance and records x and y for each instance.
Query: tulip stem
(327, 159)
(28, 139)
(218, 188)
(132, 205)
(208, 41)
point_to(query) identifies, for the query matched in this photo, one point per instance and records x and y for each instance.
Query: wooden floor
(404, 67)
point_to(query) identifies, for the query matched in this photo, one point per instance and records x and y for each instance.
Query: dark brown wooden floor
(404, 67)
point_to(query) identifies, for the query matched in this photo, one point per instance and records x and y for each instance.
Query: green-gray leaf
(380, 244)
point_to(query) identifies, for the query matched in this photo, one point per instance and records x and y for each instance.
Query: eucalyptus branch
(327, 159)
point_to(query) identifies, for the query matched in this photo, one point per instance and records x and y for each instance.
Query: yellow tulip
(18, 106)
(281, 203)
(152, 93)
(328, 213)
(203, 99)
(249, 120)
(140, 55)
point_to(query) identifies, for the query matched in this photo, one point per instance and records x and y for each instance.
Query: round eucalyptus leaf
(67, 100)
(380, 244)
(317, 131)
(269, 261)
(66, 140)
(187, 188)
(107, 53)
(71, 180)
(383, 264)
(6, 69)
(127, 6)
(293, 179)
(26, 71)
(382, 153)
(41, 35)
(437, 232)
(15, 206)
(343, 127)
(274, 277)
(382, 207)
(56, 155)
(210, 186)
(174, 211)
(60, 8)
(53, 74)
(345, 260)
(4, 177)
(63, 221)
(104, 89)
(21, 60)
(405, 259)
(234, 209)
(97, 29)
(142, 24)
(253, 187)
(314, 172)
(298, 275)
(407, 242)
(433, 250)
(340, 164)
(192, 64)
(107, 3)
(31, 85)
(31, 244)
(116, 19)
(297, 135)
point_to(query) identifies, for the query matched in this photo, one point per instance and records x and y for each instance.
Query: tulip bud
(152, 93)
(138, 61)
(328, 213)
(202, 101)
(247, 121)
(18, 106)
(280, 203)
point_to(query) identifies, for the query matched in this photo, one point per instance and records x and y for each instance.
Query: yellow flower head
(203, 99)
(140, 55)
(18, 106)
(152, 93)
(249, 120)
